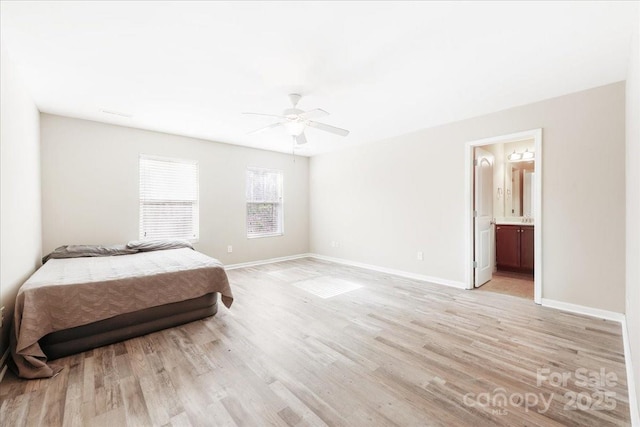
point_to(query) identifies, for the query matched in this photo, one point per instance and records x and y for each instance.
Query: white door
(483, 215)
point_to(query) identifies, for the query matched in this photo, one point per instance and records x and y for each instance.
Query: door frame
(536, 135)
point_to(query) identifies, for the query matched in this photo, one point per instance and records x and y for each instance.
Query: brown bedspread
(65, 293)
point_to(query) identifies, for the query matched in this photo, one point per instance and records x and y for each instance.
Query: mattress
(69, 293)
(122, 327)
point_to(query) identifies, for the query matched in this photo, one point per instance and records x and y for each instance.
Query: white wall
(90, 188)
(385, 201)
(633, 206)
(20, 224)
(498, 177)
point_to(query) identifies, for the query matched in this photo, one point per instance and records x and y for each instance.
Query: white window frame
(196, 203)
(279, 204)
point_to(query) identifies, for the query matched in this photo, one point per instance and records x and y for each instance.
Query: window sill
(265, 235)
(147, 239)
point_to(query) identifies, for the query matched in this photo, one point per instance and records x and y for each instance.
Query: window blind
(168, 198)
(264, 202)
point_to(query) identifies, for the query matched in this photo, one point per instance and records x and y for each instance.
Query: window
(264, 202)
(168, 198)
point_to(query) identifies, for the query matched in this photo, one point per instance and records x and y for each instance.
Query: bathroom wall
(498, 178)
(510, 196)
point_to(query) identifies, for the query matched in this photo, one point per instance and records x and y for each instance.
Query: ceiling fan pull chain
(293, 148)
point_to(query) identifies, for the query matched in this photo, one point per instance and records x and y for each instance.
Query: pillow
(77, 251)
(158, 245)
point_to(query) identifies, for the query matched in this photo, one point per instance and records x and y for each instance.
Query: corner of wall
(632, 197)
(20, 204)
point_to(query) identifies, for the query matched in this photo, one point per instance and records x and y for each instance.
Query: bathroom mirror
(519, 181)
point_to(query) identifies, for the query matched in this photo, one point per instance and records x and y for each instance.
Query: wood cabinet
(515, 248)
(526, 248)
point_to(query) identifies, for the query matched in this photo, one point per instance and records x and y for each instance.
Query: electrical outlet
(229, 249)
(334, 244)
(420, 256)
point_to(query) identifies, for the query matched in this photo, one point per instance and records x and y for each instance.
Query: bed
(70, 305)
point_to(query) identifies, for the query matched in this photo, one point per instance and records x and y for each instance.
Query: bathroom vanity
(514, 232)
(514, 246)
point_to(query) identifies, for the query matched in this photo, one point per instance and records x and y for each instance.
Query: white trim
(142, 202)
(401, 273)
(279, 204)
(3, 364)
(265, 261)
(581, 309)
(536, 135)
(631, 384)
(537, 229)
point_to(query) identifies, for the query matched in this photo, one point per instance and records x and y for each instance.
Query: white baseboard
(3, 364)
(265, 261)
(406, 274)
(631, 384)
(401, 273)
(581, 309)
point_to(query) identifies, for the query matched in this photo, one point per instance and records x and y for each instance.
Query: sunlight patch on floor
(327, 287)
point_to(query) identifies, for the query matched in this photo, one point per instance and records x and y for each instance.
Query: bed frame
(119, 328)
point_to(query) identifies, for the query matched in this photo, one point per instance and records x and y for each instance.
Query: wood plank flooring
(516, 284)
(393, 352)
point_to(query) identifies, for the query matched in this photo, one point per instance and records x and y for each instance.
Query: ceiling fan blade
(268, 115)
(271, 126)
(313, 114)
(301, 139)
(329, 128)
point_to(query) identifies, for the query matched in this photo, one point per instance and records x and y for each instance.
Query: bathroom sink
(514, 221)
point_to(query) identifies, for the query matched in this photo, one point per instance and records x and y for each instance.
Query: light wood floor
(516, 284)
(393, 352)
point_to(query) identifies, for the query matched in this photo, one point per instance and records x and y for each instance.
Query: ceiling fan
(295, 121)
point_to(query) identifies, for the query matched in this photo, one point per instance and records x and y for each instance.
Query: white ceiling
(380, 68)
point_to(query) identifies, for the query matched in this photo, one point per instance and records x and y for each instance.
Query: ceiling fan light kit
(295, 127)
(295, 121)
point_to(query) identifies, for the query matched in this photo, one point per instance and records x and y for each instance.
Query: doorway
(519, 212)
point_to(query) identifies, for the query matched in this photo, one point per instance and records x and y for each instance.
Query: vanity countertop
(515, 221)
